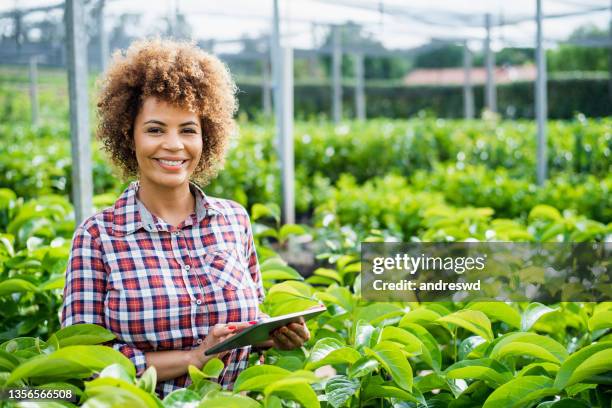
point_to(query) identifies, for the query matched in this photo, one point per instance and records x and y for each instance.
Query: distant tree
(568, 57)
(508, 56)
(439, 55)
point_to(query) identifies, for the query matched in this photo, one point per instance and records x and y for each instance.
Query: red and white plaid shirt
(159, 287)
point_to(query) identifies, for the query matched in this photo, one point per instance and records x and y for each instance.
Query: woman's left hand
(291, 336)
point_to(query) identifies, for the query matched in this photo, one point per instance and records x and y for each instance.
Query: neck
(172, 205)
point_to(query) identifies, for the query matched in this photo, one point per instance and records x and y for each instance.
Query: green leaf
(486, 369)
(183, 398)
(471, 320)
(213, 368)
(584, 363)
(11, 286)
(295, 389)
(256, 378)
(339, 389)
(83, 334)
(386, 391)
(148, 380)
(499, 311)
(330, 351)
(564, 403)
(45, 369)
(601, 320)
(533, 313)
(544, 212)
(363, 366)
(431, 351)
(328, 273)
(391, 357)
(411, 343)
(115, 392)
(520, 392)
(116, 371)
(8, 362)
(290, 229)
(228, 401)
(529, 344)
(419, 316)
(363, 333)
(261, 211)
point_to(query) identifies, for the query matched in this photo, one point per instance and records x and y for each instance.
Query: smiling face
(168, 144)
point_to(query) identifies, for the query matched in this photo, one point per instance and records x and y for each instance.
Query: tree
(569, 57)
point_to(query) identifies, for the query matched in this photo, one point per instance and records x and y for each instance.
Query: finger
(300, 330)
(220, 330)
(296, 340)
(243, 325)
(281, 340)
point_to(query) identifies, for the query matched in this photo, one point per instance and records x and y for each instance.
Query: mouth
(171, 164)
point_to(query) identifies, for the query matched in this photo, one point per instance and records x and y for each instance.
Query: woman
(168, 269)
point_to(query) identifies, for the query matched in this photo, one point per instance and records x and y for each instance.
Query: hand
(216, 335)
(291, 336)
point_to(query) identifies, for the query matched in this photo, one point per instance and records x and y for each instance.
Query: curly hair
(178, 73)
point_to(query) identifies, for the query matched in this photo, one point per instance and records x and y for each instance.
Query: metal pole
(103, 37)
(468, 93)
(287, 156)
(490, 97)
(540, 97)
(336, 75)
(82, 180)
(360, 108)
(266, 89)
(34, 89)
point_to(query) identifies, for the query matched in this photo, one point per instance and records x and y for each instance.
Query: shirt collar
(129, 214)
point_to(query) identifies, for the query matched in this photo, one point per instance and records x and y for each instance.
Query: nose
(173, 141)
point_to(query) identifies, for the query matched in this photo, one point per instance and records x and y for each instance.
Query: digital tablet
(260, 332)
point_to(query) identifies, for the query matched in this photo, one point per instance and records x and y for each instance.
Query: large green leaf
(486, 369)
(182, 398)
(45, 369)
(330, 351)
(339, 389)
(431, 350)
(11, 286)
(364, 366)
(227, 401)
(533, 313)
(471, 320)
(499, 311)
(529, 344)
(295, 389)
(601, 320)
(419, 316)
(116, 392)
(393, 360)
(213, 368)
(258, 377)
(411, 343)
(83, 334)
(584, 363)
(148, 380)
(385, 392)
(520, 391)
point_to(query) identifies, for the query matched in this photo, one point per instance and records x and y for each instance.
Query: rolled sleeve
(253, 263)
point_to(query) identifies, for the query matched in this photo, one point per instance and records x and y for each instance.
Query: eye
(154, 130)
(190, 130)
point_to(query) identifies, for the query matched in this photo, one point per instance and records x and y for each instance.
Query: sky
(397, 24)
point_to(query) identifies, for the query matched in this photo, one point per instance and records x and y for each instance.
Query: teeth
(171, 163)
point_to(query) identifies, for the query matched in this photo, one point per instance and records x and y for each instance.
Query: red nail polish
(253, 322)
(232, 327)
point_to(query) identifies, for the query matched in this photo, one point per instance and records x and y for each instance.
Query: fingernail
(232, 327)
(253, 322)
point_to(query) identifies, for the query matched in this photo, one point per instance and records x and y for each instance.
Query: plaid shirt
(159, 287)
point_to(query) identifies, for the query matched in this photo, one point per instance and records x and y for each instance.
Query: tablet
(260, 332)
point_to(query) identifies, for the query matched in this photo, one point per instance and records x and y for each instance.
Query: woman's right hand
(216, 335)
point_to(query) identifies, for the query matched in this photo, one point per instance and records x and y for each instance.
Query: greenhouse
(306, 203)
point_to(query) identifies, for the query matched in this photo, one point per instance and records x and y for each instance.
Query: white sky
(305, 20)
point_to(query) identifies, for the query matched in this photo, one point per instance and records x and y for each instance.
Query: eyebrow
(163, 124)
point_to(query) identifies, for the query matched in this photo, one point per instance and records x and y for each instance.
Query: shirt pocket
(226, 269)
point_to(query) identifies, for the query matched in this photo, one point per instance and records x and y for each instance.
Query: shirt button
(199, 341)
(187, 267)
(199, 302)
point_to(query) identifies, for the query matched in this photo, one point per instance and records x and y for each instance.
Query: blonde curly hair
(178, 73)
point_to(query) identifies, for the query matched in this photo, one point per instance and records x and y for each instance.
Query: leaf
(533, 313)
(11, 286)
(290, 229)
(148, 380)
(431, 351)
(411, 343)
(486, 369)
(261, 211)
(386, 391)
(294, 389)
(564, 403)
(228, 401)
(326, 351)
(520, 391)
(182, 398)
(328, 273)
(116, 392)
(499, 311)
(391, 357)
(531, 344)
(339, 389)
(363, 366)
(257, 377)
(471, 320)
(586, 362)
(213, 368)
(116, 371)
(601, 320)
(419, 316)
(83, 334)
(544, 212)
